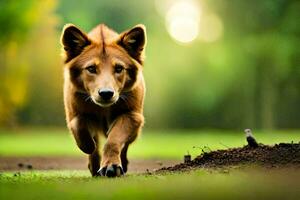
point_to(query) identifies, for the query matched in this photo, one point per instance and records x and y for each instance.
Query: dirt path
(278, 155)
(74, 163)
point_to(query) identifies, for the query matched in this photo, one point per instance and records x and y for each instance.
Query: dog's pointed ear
(73, 41)
(134, 42)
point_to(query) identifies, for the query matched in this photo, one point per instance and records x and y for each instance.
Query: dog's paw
(111, 171)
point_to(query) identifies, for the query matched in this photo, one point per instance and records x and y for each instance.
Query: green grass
(246, 183)
(151, 144)
(200, 184)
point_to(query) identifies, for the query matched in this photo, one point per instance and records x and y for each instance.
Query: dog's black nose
(106, 94)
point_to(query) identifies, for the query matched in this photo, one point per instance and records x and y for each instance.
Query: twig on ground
(224, 145)
(203, 149)
(187, 158)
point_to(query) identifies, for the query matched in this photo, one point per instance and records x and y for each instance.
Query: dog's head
(103, 64)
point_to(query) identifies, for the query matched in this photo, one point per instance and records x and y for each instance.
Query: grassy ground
(239, 183)
(151, 144)
(200, 184)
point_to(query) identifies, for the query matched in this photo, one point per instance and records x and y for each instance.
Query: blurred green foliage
(250, 77)
(29, 52)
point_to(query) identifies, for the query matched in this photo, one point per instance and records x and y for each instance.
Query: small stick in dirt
(20, 165)
(206, 147)
(250, 138)
(224, 145)
(187, 158)
(29, 166)
(202, 149)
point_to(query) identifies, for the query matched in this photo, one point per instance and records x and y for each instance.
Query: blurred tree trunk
(250, 100)
(267, 93)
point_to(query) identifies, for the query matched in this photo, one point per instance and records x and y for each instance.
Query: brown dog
(104, 92)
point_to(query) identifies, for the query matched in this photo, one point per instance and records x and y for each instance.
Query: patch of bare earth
(278, 156)
(74, 163)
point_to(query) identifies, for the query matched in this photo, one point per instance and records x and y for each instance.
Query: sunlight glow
(211, 28)
(182, 20)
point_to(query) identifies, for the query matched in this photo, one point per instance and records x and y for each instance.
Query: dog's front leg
(124, 131)
(87, 141)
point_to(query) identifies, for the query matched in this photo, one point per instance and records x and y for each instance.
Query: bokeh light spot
(182, 21)
(211, 28)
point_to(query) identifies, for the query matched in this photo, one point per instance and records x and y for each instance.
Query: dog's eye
(91, 69)
(119, 69)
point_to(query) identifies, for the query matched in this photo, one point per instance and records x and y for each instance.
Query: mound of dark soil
(283, 154)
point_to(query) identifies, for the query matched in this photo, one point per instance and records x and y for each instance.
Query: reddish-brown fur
(104, 59)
